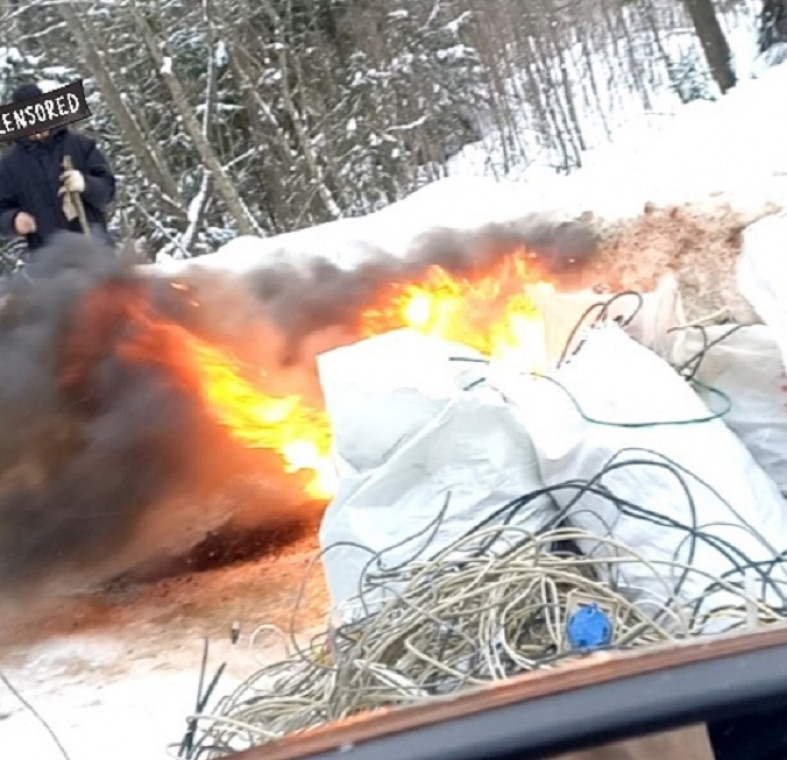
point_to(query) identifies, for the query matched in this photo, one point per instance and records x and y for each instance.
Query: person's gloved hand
(73, 181)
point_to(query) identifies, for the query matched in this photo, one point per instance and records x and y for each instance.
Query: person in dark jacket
(33, 183)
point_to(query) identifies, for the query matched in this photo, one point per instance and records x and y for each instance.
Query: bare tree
(714, 43)
(227, 116)
(224, 186)
(148, 154)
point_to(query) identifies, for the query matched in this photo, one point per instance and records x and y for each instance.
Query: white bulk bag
(614, 379)
(745, 363)
(762, 273)
(409, 433)
(380, 391)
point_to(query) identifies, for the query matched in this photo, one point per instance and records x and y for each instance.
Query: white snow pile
(455, 204)
(730, 150)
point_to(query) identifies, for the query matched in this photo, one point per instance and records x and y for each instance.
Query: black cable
(376, 559)
(575, 329)
(603, 307)
(624, 294)
(641, 424)
(697, 359)
(737, 558)
(576, 490)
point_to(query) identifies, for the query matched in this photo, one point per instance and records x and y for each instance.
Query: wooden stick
(76, 198)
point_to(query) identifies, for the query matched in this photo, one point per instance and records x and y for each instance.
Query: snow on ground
(728, 151)
(116, 676)
(731, 149)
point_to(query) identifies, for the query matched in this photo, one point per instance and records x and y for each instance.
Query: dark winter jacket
(30, 179)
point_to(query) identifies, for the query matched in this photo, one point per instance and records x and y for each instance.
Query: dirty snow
(117, 675)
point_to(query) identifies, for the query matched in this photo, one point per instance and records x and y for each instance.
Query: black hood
(26, 92)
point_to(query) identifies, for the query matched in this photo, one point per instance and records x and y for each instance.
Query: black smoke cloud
(302, 300)
(132, 461)
(84, 469)
(72, 484)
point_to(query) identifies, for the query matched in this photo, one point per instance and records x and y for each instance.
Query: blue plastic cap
(589, 628)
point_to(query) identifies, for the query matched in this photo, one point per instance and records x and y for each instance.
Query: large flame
(488, 312)
(283, 424)
(118, 317)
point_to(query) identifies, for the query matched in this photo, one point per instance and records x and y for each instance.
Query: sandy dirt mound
(700, 243)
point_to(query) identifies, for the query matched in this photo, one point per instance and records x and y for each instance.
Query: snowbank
(729, 151)
(732, 149)
(460, 205)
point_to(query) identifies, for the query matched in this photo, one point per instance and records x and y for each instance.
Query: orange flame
(300, 435)
(488, 312)
(282, 424)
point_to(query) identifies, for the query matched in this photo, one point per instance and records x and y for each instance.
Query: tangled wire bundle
(453, 624)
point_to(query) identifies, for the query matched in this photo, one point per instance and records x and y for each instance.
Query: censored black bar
(52, 109)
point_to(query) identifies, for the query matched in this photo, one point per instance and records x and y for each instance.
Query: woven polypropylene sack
(744, 363)
(414, 432)
(613, 379)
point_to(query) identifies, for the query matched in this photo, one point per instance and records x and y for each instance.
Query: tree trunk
(148, 156)
(315, 169)
(223, 184)
(274, 193)
(773, 23)
(714, 43)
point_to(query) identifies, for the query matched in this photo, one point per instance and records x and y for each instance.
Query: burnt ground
(226, 578)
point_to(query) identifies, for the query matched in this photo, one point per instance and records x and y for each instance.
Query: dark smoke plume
(302, 300)
(91, 445)
(98, 454)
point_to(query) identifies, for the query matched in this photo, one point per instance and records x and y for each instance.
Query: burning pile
(493, 525)
(121, 393)
(488, 311)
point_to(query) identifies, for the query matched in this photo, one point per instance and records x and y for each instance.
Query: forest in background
(227, 117)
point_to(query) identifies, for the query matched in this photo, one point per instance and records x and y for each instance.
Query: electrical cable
(694, 362)
(641, 424)
(36, 715)
(469, 615)
(603, 308)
